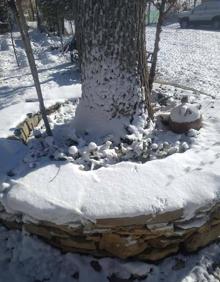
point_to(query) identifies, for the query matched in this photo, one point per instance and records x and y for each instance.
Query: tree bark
(38, 17)
(194, 3)
(148, 13)
(18, 12)
(12, 42)
(31, 10)
(110, 36)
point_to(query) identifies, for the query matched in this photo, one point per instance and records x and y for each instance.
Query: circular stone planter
(149, 237)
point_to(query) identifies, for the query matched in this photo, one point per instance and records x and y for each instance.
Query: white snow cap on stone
(92, 147)
(72, 150)
(185, 113)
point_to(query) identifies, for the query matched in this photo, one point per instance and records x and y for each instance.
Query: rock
(177, 143)
(215, 222)
(92, 147)
(184, 147)
(161, 154)
(162, 242)
(144, 237)
(185, 99)
(165, 117)
(166, 217)
(216, 213)
(4, 186)
(161, 229)
(110, 153)
(202, 238)
(26, 130)
(77, 243)
(59, 156)
(154, 146)
(166, 145)
(192, 133)
(122, 247)
(172, 150)
(125, 221)
(158, 254)
(73, 151)
(38, 230)
(185, 117)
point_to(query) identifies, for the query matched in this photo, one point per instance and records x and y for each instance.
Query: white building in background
(189, 3)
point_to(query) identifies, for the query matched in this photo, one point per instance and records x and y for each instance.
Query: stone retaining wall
(145, 237)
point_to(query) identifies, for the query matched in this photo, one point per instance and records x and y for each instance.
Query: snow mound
(185, 113)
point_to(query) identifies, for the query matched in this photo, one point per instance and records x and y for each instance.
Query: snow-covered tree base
(138, 144)
(113, 101)
(113, 67)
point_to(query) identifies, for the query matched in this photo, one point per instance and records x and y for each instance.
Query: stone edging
(146, 238)
(24, 129)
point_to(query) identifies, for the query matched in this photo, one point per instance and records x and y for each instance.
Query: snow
(126, 189)
(73, 150)
(185, 113)
(9, 149)
(17, 87)
(188, 57)
(27, 259)
(63, 193)
(107, 92)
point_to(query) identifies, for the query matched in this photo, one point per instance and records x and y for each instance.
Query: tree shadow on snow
(62, 75)
(14, 152)
(201, 28)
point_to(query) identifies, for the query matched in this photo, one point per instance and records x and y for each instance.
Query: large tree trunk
(31, 10)
(111, 42)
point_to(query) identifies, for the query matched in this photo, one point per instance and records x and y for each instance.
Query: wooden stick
(18, 12)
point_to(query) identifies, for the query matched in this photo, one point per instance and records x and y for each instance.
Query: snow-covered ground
(24, 258)
(187, 57)
(59, 79)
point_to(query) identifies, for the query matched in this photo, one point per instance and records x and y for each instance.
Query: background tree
(12, 40)
(164, 7)
(3, 11)
(111, 42)
(17, 10)
(53, 13)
